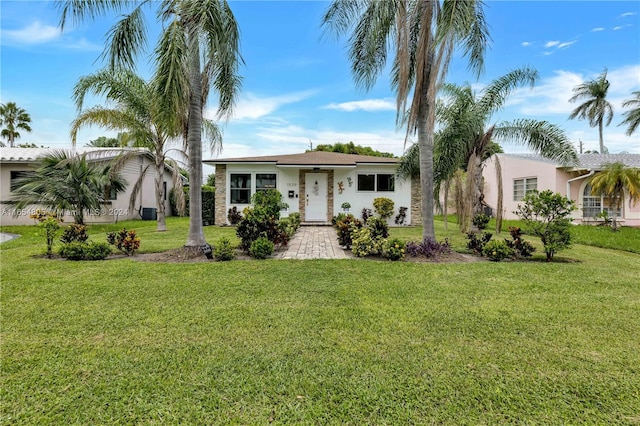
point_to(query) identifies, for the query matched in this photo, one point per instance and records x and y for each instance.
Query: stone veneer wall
(416, 201)
(301, 198)
(221, 194)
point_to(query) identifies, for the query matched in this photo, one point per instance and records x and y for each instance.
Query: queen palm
(613, 182)
(632, 117)
(192, 29)
(423, 35)
(134, 109)
(63, 181)
(12, 119)
(595, 108)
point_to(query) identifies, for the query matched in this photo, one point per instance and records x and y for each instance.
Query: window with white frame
(522, 187)
(380, 182)
(240, 188)
(265, 181)
(594, 205)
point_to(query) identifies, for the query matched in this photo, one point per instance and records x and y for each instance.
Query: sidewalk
(315, 242)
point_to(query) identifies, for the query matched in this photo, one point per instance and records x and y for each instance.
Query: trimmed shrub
(345, 227)
(125, 241)
(402, 216)
(261, 248)
(497, 250)
(428, 248)
(476, 244)
(480, 221)
(77, 250)
(97, 250)
(224, 251)
(74, 232)
(208, 205)
(363, 244)
(393, 249)
(73, 251)
(384, 207)
(378, 226)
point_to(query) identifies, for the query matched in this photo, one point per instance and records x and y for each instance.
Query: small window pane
(531, 184)
(386, 183)
(518, 189)
(265, 181)
(366, 182)
(240, 188)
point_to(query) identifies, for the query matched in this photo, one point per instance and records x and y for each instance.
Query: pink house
(525, 172)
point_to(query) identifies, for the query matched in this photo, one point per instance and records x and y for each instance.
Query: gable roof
(587, 161)
(309, 159)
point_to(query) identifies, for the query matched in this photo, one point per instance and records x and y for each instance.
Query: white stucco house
(315, 183)
(525, 172)
(14, 162)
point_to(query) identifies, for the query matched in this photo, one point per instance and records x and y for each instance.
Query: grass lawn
(317, 341)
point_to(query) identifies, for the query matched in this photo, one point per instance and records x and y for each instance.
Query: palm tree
(595, 107)
(135, 109)
(424, 35)
(13, 118)
(63, 181)
(466, 138)
(192, 30)
(613, 182)
(633, 115)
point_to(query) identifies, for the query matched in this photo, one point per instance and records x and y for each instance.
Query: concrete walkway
(315, 242)
(7, 237)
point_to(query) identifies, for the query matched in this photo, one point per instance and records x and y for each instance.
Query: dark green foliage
(366, 214)
(92, 250)
(125, 241)
(173, 204)
(351, 148)
(337, 218)
(261, 248)
(73, 251)
(267, 203)
(234, 216)
(208, 205)
(476, 244)
(345, 227)
(75, 232)
(520, 247)
(50, 224)
(480, 221)
(428, 248)
(224, 251)
(547, 215)
(497, 250)
(97, 250)
(393, 249)
(378, 226)
(295, 219)
(401, 216)
(261, 220)
(211, 180)
(384, 207)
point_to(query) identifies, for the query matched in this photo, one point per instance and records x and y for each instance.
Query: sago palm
(134, 109)
(198, 49)
(632, 117)
(613, 182)
(12, 119)
(595, 108)
(65, 182)
(422, 36)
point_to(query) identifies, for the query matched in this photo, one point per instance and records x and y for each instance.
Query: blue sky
(297, 86)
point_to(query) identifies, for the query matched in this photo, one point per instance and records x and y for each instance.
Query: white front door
(316, 197)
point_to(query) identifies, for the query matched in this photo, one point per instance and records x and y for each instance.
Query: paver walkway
(315, 242)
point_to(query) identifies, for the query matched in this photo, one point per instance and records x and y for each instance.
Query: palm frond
(125, 40)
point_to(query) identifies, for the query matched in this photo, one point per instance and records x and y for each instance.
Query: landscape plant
(393, 249)
(614, 182)
(547, 215)
(234, 216)
(476, 243)
(480, 221)
(378, 226)
(429, 248)
(345, 226)
(520, 247)
(74, 232)
(261, 248)
(126, 242)
(224, 250)
(383, 206)
(50, 224)
(363, 243)
(262, 220)
(497, 250)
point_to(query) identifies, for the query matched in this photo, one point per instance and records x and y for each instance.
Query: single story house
(14, 162)
(525, 172)
(315, 184)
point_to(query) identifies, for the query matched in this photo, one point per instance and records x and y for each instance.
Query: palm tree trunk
(160, 219)
(425, 144)
(196, 233)
(445, 210)
(600, 133)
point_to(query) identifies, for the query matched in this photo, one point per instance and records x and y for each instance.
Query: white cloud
(566, 44)
(624, 15)
(251, 107)
(547, 53)
(365, 105)
(526, 43)
(551, 43)
(597, 29)
(36, 33)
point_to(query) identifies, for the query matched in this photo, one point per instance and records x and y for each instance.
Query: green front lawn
(317, 342)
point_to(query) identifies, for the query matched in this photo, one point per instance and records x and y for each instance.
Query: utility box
(149, 213)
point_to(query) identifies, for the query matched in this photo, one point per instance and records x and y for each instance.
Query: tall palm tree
(134, 109)
(63, 181)
(595, 108)
(193, 30)
(423, 35)
(13, 118)
(466, 137)
(633, 115)
(613, 182)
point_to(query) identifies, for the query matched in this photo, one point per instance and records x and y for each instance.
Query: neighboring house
(16, 161)
(315, 183)
(523, 172)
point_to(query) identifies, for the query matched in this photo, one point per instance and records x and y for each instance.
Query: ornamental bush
(520, 247)
(476, 244)
(378, 226)
(125, 241)
(224, 251)
(383, 206)
(261, 248)
(428, 248)
(234, 216)
(363, 243)
(50, 224)
(480, 221)
(345, 227)
(93, 250)
(497, 250)
(393, 249)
